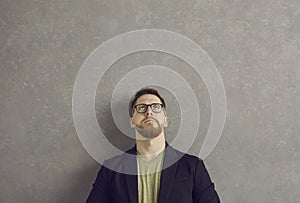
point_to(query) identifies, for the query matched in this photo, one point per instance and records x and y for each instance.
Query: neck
(152, 147)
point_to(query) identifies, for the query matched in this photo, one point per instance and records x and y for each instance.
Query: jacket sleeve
(100, 192)
(204, 190)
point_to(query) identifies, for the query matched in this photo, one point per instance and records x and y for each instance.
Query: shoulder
(116, 163)
(188, 161)
(186, 158)
(122, 163)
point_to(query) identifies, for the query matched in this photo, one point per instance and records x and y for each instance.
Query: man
(162, 174)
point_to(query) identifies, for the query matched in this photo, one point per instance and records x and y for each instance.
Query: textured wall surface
(254, 44)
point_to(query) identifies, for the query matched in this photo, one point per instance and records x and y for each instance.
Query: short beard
(149, 131)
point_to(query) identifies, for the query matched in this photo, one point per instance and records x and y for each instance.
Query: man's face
(149, 124)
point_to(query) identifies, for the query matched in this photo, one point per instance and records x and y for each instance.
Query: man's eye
(157, 106)
(141, 108)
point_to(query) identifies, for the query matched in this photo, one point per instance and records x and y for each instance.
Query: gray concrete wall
(254, 44)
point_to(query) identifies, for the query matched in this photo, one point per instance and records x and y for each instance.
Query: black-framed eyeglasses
(155, 107)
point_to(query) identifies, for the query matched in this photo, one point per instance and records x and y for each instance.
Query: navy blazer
(185, 181)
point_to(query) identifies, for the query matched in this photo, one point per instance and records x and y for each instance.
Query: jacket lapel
(131, 183)
(131, 180)
(167, 174)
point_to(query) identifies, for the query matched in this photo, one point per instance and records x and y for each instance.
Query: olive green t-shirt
(149, 178)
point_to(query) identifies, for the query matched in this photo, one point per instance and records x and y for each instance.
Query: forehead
(148, 99)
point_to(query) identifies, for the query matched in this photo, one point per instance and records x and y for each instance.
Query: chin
(149, 133)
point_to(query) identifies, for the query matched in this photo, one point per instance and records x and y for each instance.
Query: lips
(148, 120)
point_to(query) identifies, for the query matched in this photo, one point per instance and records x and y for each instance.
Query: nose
(149, 111)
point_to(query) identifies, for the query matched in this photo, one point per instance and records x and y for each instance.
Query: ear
(131, 123)
(166, 122)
